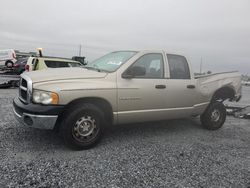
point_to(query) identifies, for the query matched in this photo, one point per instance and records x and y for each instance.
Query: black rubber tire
(207, 120)
(70, 118)
(9, 63)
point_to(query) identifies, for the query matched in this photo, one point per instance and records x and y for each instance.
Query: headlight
(45, 97)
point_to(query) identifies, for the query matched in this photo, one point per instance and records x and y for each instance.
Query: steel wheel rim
(215, 115)
(85, 128)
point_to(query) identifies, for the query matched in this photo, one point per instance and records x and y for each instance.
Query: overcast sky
(216, 30)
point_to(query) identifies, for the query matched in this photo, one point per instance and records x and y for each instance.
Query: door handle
(160, 86)
(190, 86)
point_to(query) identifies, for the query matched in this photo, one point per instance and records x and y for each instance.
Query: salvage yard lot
(170, 153)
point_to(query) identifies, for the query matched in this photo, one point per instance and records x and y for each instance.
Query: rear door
(181, 90)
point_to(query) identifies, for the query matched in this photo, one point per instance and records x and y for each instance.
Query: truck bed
(208, 84)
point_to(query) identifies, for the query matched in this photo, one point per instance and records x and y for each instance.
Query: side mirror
(134, 71)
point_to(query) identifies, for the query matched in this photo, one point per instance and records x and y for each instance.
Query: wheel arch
(102, 103)
(226, 92)
(9, 61)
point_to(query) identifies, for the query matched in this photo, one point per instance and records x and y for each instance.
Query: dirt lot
(177, 153)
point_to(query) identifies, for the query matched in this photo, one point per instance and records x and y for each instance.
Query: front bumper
(36, 115)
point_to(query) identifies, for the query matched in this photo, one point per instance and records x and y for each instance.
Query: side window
(56, 64)
(35, 63)
(153, 65)
(178, 67)
(70, 64)
(62, 64)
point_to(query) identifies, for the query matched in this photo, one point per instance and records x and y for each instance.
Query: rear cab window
(178, 67)
(58, 64)
(73, 64)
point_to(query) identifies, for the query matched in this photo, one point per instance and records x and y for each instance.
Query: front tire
(83, 126)
(214, 116)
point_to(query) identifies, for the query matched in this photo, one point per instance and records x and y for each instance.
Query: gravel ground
(177, 153)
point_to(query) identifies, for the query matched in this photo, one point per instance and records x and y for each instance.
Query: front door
(141, 97)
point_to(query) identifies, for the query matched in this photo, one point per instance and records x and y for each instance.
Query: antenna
(201, 66)
(80, 50)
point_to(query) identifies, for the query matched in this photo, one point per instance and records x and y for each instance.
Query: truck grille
(25, 89)
(24, 83)
(23, 94)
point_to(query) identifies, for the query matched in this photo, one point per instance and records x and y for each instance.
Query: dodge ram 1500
(118, 88)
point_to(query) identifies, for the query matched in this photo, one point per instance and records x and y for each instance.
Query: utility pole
(201, 66)
(80, 50)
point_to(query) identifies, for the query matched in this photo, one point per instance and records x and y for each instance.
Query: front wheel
(83, 126)
(214, 116)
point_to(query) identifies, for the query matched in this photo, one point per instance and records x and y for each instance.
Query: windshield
(111, 61)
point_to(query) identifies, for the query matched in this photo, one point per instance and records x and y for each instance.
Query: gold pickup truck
(119, 88)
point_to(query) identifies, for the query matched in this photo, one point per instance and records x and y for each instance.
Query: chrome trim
(18, 115)
(22, 99)
(28, 89)
(150, 110)
(201, 104)
(160, 110)
(23, 88)
(95, 89)
(88, 89)
(39, 121)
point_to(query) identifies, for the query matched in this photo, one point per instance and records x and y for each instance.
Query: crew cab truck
(119, 88)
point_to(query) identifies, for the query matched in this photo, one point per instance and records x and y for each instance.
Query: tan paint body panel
(136, 100)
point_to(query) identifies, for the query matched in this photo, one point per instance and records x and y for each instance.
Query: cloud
(217, 31)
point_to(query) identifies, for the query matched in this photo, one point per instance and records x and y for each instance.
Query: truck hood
(63, 74)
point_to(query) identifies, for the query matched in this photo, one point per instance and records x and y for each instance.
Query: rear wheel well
(223, 94)
(103, 104)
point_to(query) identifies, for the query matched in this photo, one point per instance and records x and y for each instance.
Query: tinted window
(21, 61)
(153, 64)
(178, 67)
(71, 64)
(35, 63)
(56, 64)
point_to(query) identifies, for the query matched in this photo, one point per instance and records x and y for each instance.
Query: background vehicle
(122, 87)
(79, 59)
(246, 83)
(19, 66)
(20, 54)
(7, 58)
(39, 63)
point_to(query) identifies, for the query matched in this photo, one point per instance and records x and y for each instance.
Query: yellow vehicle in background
(40, 63)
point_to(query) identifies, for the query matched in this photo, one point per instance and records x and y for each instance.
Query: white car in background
(245, 83)
(7, 58)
